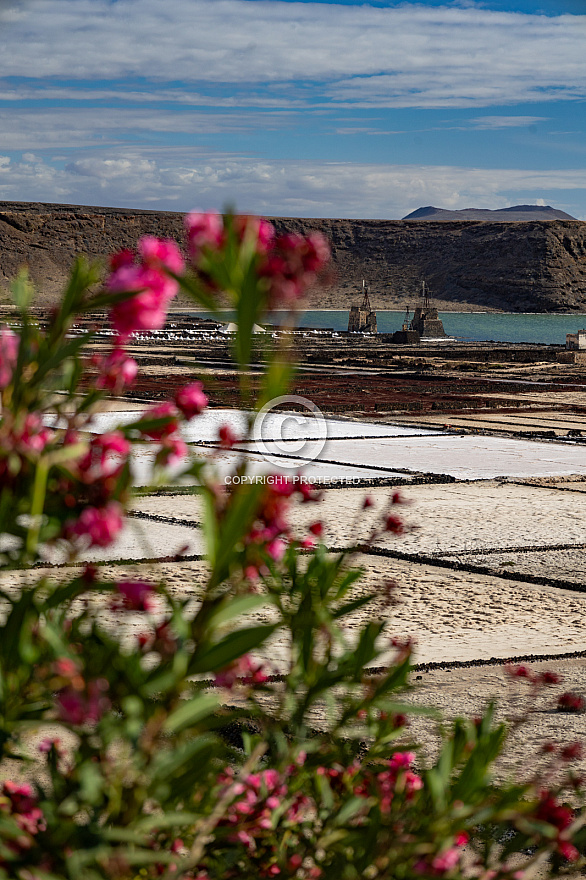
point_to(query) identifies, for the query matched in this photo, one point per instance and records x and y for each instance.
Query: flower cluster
(20, 803)
(82, 702)
(91, 489)
(288, 264)
(134, 596)
(116, 371)
(27, 435)
(166, 418)
(537, 679)
(292, 266)
(8, 355)
(145, 271)
(243, 671)
(262, 801)
(561, 817)
(270, 532)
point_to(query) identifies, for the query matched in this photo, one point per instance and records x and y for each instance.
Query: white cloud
(403, 56)
(69, 127)
(147, 179)
(496, 122)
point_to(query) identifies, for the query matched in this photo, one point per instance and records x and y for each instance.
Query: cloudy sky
(317, 109)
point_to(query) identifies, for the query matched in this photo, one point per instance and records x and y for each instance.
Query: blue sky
(281, 107)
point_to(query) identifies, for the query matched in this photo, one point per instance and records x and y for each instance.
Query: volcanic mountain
(517, 213)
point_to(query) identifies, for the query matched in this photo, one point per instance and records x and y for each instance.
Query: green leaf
(186, 756)
(349, 810)
(23, 290)
(230, 648)
(350, 607)
(69, 349)
(237, 522)
(232, 607)
(191, 713)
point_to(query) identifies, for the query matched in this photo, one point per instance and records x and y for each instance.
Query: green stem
(37, 506)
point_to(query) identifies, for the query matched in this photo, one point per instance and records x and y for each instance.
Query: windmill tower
(362, 318)
(426, 320)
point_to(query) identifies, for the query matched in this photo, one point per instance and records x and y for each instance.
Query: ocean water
(467, 326)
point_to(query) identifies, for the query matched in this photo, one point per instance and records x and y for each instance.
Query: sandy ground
(446, 518)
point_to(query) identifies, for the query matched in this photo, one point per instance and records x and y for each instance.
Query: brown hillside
(533, 266)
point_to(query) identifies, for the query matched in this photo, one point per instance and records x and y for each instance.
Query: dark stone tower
(362, 319)
(425, 320)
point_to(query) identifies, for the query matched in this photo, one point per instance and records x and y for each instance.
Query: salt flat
(277, 425)
(465, 457)
(454, 615)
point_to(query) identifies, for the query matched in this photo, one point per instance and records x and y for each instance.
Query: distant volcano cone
(518, 213)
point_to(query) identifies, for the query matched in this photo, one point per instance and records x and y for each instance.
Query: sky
(366, 109)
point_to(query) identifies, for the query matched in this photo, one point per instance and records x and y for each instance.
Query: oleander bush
(141, 735)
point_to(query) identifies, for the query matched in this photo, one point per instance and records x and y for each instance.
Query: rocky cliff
(533, 266)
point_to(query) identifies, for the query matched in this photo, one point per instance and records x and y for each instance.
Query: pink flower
(255, 228)
(243, 671)
(31, 436)
(145, 311)
(281, 485)
(204, 230)
(413, 783)
(172, 451)
(161, 252)
(568, 851)
(445, 861)
(98, 526)
(137, 595)
(317, 529)
(124, 257)
(21, 803)
(117, 371)
(227, 437)
(519, 672)
(49, 743)
(549, 810)
(79, 707)
(191, 400)
(549, 677)
(571, 702)
(394, 525)
(66, 667)
(276, 549)
(292, 264)
(9, 342)
(21, 796)
(572, 752)
(401, 760)
(146, 274)
(105, 455)
(166, 411)
(245, 838)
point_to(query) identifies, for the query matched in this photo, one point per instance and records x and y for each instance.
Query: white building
(576, 341)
